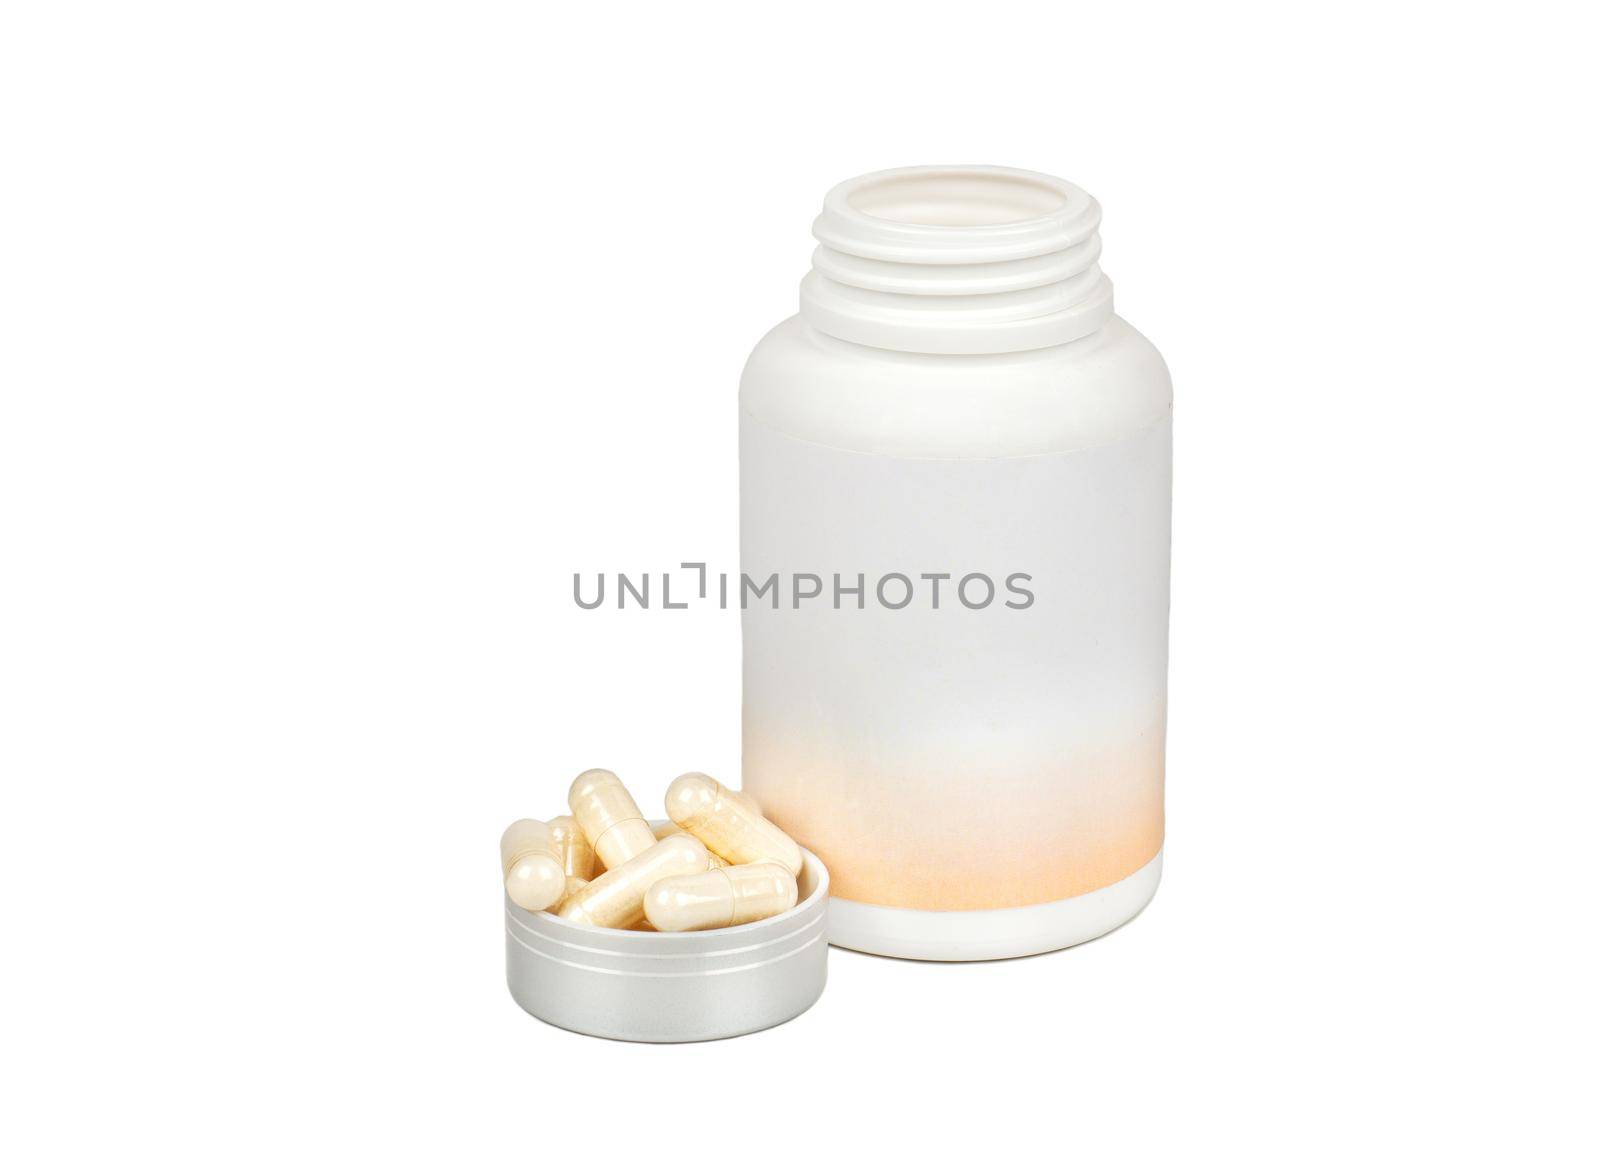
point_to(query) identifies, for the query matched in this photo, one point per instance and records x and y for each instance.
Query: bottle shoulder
(1086, 393)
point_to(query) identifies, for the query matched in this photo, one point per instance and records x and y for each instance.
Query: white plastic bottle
(955, 518)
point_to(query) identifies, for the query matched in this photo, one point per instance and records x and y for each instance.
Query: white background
(336, 337)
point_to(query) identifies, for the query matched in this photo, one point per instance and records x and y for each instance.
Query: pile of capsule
(718, 863)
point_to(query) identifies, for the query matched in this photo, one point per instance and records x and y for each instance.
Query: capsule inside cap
(609, 817)
(727, 824)
(720, 898)
(532, 870)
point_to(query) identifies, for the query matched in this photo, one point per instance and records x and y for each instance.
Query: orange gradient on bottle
(959, 837)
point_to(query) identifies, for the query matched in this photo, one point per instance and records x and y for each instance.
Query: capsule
(616, 899)
(577, 857)
(574, 886)
(724, 823)
(531, 867)
(609, 817)
(664, 829)
(719, 899)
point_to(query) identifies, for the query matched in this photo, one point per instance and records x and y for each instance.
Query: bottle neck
(957, 260)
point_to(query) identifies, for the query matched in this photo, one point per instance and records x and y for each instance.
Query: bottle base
(991, 934)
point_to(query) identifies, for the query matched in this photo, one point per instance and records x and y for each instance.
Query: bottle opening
(957, 260)
(956, 198)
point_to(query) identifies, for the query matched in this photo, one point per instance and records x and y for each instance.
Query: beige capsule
(724, 823)
(531, 868)
(577, 857)
(574, 886)
(609, 817)
(616, 899)
(722, 898)
(662, 830)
